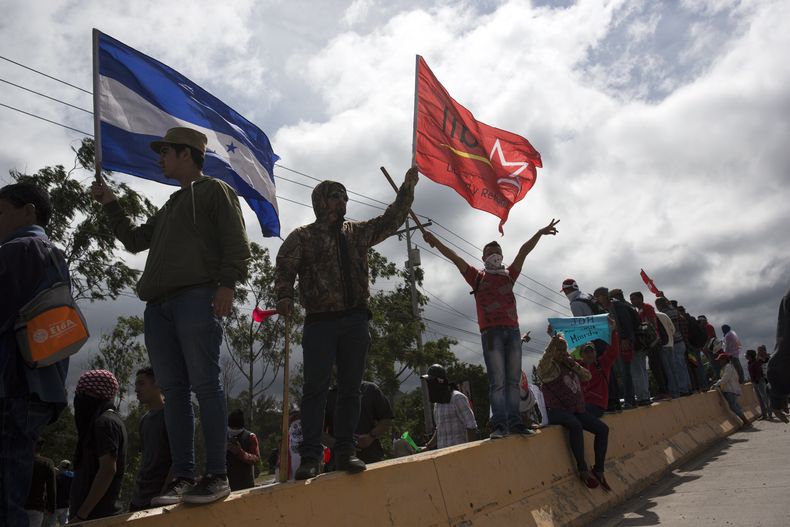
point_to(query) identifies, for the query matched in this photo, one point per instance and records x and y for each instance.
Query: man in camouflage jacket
(330, 257)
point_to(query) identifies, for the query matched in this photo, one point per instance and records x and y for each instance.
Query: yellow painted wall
(528, 481)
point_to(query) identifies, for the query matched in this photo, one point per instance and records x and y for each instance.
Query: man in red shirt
(596, 390)
(498, 319)
(648, 314)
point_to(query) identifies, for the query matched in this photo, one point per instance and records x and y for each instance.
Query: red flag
(649, 283)
(491, 168)
(259, 315)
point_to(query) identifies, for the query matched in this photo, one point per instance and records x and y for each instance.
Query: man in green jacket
(330, 256)
(198, 251)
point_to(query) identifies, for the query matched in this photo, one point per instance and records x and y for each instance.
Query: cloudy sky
(663, 128)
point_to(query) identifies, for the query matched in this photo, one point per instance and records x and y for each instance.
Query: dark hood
(320, 198)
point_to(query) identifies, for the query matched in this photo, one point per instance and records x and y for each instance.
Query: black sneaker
(522, 430)
(498, 433)
(173, 492)
(351, 464)
(309, 468)
(209, 489)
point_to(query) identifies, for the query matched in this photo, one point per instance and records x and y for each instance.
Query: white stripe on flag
(125, 109)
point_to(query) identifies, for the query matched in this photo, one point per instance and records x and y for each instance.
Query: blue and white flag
(580, 330)
(137, 99)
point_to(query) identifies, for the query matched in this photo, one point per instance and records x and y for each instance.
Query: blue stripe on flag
(176, 95)
(131, 153)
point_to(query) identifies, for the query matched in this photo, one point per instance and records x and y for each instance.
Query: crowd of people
(198, 252)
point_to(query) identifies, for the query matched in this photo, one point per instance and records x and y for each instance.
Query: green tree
(78, 226)
(459, 371)
(256, 349)
(60, 437)
(121, 352)
(394, 354)
(134, 415)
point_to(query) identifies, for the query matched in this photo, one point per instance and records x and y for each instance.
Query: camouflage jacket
(313, 252)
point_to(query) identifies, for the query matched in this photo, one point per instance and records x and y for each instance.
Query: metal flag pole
(426, 402)
(414, 117)
(284, 462)
(96, 112)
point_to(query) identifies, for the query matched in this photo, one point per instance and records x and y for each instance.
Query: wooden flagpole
(395, 187)
(285, 464)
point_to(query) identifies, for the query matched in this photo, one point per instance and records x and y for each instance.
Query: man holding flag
(330, 257)
(198, 251)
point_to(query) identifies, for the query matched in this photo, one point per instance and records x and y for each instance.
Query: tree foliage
(394, 353)
(121, 352)
(78, 226)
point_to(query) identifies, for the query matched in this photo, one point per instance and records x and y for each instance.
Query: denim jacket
(25, 270)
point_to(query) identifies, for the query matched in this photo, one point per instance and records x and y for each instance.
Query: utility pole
(412, 263)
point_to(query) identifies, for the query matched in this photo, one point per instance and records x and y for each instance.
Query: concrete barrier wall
(528, 481)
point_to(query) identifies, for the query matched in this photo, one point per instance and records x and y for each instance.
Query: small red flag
(649, 283)
(491, 168)
(259, 315)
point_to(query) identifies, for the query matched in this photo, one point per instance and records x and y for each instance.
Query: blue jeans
(762, 397)
(680, 367)
(638, 368)
(668, 362)
(183, 337)
(699, 370)
(732, 401)
(502, 355)
(624, 372)
(21, 423)
(345, 342)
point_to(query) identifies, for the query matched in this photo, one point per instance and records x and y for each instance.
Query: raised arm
(548, 230)
(448, 253)
(135, 238)
(380, 228)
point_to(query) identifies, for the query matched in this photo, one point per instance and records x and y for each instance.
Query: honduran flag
(137, 99)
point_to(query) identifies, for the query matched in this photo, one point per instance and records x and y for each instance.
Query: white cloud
(661, 125)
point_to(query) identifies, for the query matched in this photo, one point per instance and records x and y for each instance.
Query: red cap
(569, 283)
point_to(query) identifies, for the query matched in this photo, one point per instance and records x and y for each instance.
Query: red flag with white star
(649, 283)
(491, 168)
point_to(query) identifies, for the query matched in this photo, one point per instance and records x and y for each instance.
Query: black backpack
(647, 337)
(662, 333)
(596, 308)
(633, 316)
(698, 336)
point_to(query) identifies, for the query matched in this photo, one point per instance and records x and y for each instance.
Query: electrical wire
(45, 75)
(278, 165)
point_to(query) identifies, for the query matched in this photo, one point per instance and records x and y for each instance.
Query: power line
(477, 249)
(45, 96)
(290, 170)
(516, 294)
(45, 119)
(527, 287)
(319, 180)
(45, 75)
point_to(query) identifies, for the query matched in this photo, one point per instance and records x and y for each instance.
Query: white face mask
(494, 261)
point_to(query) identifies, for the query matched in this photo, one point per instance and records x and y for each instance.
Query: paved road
(744, 481)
